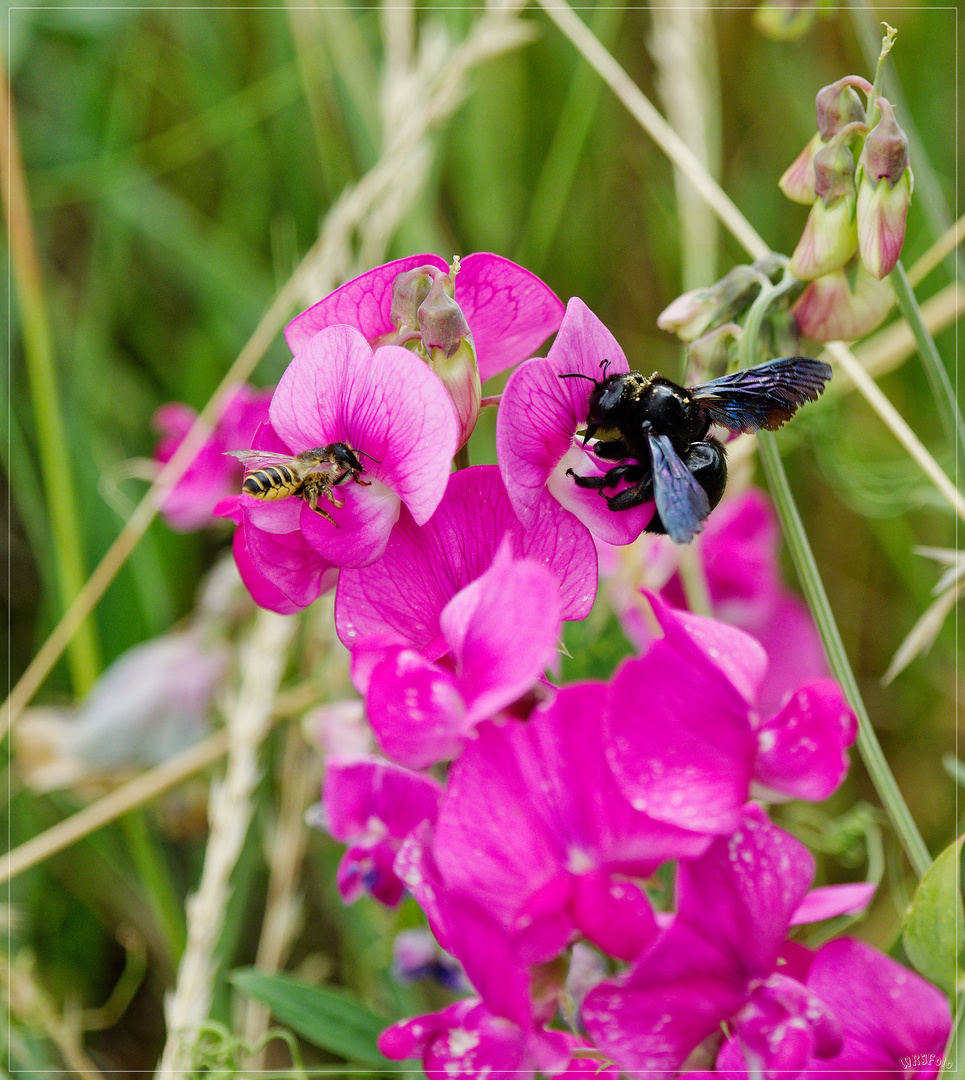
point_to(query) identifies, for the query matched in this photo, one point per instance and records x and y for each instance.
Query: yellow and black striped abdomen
(274, 482)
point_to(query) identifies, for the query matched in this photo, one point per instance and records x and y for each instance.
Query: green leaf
(935, 922)
(333, 1019)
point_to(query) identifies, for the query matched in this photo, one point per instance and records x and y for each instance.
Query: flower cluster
(854, 174)
(533, 820)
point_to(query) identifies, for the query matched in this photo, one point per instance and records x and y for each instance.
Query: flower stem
(938, 379)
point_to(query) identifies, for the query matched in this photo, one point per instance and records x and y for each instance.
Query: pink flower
(716, 962)
(535, 829)
(537, 423)
(401, 598)
(189, 504)
(738, 551)
(389, 408)
(686, 740)
(373, 805)
(468, 323)
(500, 632)
(467, 1040)
(843, 305)
(509, 310)
(892, 1022)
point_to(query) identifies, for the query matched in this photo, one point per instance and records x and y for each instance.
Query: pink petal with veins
(364, 302)
(509, 310)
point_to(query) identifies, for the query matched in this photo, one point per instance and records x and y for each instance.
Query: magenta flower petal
(802, 751)
(374, 805)
(615, 915)
(403, 594)
(284, 561)
(679, 738)
(387, 404)
(361, 530)
(510, 311)
(827, 901)
(503, 630)
(540, 413)
(887, 1013)
(415, 709)
(365, 303)
(546, 784)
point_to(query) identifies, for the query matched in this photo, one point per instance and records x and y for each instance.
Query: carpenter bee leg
(633, 496)
(587, 481)
(612, 450)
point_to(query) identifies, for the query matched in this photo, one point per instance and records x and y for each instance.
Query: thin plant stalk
(155, 877)
(941, 386)
(230, 810)
(808, 574)
(38, 347)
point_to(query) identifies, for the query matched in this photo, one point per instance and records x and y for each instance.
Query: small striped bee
(308, 475)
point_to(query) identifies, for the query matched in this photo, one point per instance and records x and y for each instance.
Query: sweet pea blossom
(372, 805)
(892, 1021)
(686, 740)
(400, 599)
(538, 419)
(393, 412)
(189, 504)
(470, 322)
(534, 827)
(738, 552)
(500, 632)
(716, 962)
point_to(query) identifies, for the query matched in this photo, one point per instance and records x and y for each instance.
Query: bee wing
(764, 396)
(260, 459)
(681, 502)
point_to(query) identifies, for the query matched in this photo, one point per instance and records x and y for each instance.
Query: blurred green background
(179, 161)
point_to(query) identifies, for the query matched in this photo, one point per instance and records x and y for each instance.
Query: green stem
(868, 746)
(793, 527)
(55, 459)
(941, 386)
(156, 881)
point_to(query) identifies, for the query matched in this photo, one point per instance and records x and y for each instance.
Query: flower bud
(409, 290)
(441, 320)
(830, 235)
(695, 312)
(460, 376)
(838, 105)
(784, 20)
(797, 183)
(711, 355)
(885, 184)
(843, 305)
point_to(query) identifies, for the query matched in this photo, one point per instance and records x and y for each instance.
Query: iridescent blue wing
(764, 396)
(681, 502)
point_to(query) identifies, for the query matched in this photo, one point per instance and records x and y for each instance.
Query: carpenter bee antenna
(578, 375)
(604, 363)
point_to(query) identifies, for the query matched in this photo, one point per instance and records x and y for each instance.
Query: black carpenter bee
(659, 434)
(309, 475)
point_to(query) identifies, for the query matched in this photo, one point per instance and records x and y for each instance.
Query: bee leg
(633, 496)
(325, 514)
(327, 492)
(632, 472)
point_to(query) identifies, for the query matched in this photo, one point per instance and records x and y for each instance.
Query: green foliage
(326, 1016)
(933, 932)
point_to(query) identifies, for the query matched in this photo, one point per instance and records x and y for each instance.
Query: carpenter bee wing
(764, 396)
(260, 459)
(681, 502)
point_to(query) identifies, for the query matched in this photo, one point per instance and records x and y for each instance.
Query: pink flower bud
(695, 312)
(460, 376)
(797, 183)
(409, 290)
(710, 356)
(838, 105)
(441, 320)
(843, 305)
(885, 184)
(830, 236)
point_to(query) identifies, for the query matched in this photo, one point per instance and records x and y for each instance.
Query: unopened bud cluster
(854, 174)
